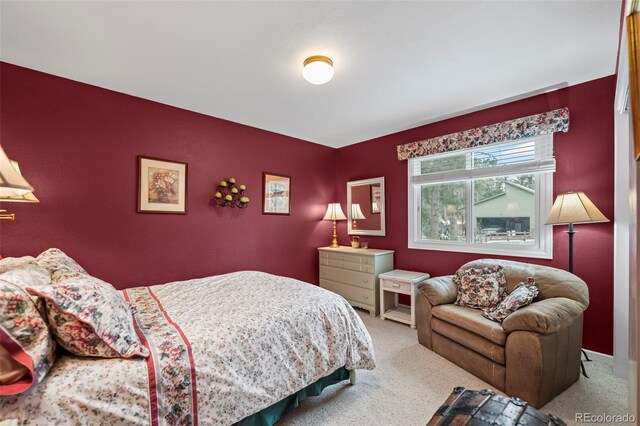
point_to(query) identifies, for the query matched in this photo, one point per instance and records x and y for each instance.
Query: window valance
(525, 127)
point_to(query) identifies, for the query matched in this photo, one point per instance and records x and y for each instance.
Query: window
(491, 199)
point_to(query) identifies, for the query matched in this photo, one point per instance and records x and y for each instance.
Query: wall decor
(276, 198)
(162, 186)
(230, 195)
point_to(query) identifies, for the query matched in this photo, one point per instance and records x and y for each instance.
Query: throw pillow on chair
(480, 287)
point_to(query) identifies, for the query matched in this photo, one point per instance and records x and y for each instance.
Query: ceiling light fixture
(317, 69)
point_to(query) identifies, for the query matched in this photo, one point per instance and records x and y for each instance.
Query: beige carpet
(410, 382)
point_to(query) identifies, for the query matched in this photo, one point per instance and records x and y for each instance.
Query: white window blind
(523, 156)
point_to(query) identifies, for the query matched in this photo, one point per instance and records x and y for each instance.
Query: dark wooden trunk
(465, 407)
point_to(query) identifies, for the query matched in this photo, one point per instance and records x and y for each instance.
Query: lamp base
(334, 241)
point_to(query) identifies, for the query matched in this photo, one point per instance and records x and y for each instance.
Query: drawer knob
(365, 297)
(396, 285)
(364, 280)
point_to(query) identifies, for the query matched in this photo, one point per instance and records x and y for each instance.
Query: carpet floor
(411, 382)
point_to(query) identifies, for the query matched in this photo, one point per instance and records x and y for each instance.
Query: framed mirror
(365, 207)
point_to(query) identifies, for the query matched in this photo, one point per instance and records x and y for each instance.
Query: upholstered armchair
(534, 354)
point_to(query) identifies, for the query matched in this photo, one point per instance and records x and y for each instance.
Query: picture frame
(633, 39)
(276, 194)
(376, 201)
(162, 186)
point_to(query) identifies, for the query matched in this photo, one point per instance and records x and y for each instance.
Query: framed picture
(277, 194)
(376, 195)
(633, 38)
(162, 186)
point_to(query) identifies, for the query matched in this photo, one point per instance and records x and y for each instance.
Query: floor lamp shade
(574, 207)
(570, 208)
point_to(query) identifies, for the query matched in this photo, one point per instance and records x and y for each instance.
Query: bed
(240, 348)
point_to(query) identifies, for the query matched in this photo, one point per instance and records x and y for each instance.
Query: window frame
(542, 249)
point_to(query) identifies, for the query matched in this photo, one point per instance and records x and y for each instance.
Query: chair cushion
(469, 340)
(471, 320)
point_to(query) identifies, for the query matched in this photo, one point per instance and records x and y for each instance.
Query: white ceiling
(397, 64)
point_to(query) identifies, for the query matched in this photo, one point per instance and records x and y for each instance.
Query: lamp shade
(574, 207)
(334, 212)
(356, 212)
(11, 181)
(28, 197)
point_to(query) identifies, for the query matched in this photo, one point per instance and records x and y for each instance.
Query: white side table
(399, 282)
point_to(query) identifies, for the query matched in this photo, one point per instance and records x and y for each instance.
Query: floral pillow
(24, 334)
(480, 288)
(59, 265)
(522, 295)
(90, 318)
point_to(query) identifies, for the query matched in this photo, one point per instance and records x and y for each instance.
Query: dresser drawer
(352, 258)
(353, 294)
(359, 279)
(347, 265)
(396, 285)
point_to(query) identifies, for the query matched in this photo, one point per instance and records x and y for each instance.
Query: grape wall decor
(230, 195)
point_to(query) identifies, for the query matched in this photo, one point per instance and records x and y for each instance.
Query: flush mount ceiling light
(317, 69)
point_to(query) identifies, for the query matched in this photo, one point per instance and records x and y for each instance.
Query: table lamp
(334, 212)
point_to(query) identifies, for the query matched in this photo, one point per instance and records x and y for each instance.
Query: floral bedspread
(222, 348)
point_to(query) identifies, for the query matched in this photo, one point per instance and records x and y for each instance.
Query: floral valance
(525, 127)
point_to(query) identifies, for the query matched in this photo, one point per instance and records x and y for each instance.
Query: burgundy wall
(77, 145)
(584, 162)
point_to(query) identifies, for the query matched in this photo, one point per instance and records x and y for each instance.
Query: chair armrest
(439, 290)
(545, 316)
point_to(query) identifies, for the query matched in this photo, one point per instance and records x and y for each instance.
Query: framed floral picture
(162, 186)
(276, 198)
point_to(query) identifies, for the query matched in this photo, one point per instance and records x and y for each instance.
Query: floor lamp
(569, 208)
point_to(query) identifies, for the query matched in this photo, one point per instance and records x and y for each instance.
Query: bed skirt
(270, 415)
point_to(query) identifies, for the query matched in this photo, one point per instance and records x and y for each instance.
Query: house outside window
(491, 199)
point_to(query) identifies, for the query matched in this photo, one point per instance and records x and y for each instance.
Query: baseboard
(598, 356)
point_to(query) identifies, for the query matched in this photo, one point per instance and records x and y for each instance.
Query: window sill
(492, 249)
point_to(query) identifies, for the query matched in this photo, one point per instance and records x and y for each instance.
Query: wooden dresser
(353, 274)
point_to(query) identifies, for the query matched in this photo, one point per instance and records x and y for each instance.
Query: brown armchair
(534, 354)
